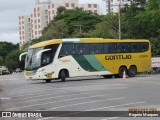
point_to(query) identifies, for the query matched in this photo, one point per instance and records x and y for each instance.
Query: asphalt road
(79, 94)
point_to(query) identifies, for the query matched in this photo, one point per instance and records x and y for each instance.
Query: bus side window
(134, 47)
(110, 48)
(67, 49)
(124, 47)
(82, 48)
(96, 48)
(144, 47)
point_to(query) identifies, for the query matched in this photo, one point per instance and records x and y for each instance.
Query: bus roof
(84, 40)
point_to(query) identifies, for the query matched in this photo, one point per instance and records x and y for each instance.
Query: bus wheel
(121, 70)
(132, 71)
(48, 81)
(62, 76)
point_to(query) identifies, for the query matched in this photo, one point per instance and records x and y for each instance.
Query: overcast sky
(9, 12)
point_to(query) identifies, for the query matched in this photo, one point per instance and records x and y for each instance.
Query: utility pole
(119, 20)
(109, 6)
(80, 28)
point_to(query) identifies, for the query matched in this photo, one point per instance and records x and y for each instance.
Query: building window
(35, 26)
(89, 5)
(48, 6)
(35, 32)
(52, 5)
(34, 9)
(67, 4)
(35, 21)
(39, 26)
(34, 15)
(73, 5)
(49, 12)
(53, 12)
(95, 5)
(38, 9)
(38, 14)
(38, 20)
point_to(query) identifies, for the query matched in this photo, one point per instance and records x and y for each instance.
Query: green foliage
(6, 47)
(12, 60)
(1, 61)
(108, 28)
(56, 29)
(61, 10)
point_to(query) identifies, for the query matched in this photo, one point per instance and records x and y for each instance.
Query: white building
(31, 26)
(113, 5)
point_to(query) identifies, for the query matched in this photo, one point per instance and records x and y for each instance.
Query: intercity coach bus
(63, 58)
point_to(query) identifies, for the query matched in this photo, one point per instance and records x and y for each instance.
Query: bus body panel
(89, 64)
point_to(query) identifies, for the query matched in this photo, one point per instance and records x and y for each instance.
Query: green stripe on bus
(83, 62)
(95, 63)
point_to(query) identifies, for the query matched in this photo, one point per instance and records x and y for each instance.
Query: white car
(4, 70)
(0, 71)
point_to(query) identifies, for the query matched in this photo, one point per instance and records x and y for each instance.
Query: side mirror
(20, 56)
(40, 53)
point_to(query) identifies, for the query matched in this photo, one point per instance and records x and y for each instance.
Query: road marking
(62, 88)
(116, 106)
(110, 118)
(99, 109)
(58, 101)
(52, 94)
(55, 97)
(83, 103)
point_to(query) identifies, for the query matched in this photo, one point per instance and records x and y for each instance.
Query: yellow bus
(63, 58)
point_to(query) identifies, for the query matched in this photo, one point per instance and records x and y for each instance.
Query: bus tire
(48, 81)
(62, 76)
(132, 71)
(121, 70)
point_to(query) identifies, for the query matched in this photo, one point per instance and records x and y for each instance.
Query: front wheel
(132, 71)
(62, 76)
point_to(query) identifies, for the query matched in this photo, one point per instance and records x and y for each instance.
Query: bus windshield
(31, 61)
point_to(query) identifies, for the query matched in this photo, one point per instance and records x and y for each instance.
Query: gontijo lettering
(117, 57)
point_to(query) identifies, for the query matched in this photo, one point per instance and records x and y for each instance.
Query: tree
(12, 60)
(1, 61)
(56, 29)
(61, 10)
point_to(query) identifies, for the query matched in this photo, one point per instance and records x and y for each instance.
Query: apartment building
(31, 26)
(113, 5)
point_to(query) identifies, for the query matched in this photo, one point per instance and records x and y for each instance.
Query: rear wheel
(62, 76)
(121, 71)
(132, 71)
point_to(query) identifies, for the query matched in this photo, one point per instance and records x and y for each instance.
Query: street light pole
(80, 28)
(119, 20)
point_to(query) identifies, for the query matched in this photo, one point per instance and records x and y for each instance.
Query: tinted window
(144, 47)
(110, 48)
(96, 48)
(82, 48)
(134, 47)
(47, 56)
(67, 49)
(123, 47)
